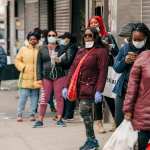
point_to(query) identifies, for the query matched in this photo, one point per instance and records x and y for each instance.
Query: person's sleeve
(39, 66)
(119, 64)
(72, 69)
(102, 69)
(20, 65)
(3, 58)
(133, 88)
(115, 49)
(69, 56)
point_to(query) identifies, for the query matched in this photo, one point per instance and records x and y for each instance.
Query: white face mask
(52, 40)
(89, 44)
(139, 44)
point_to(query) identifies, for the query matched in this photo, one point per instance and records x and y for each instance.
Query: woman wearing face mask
(98, 23)
(86, 81)
(68, 43)
(51, 72)
(25, 62)
(139, 41)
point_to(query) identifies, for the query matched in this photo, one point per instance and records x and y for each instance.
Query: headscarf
(102, 26)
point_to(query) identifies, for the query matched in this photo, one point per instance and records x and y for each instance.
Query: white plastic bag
(124, 138)
(112, 78)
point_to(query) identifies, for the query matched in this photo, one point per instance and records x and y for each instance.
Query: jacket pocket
(87, 89)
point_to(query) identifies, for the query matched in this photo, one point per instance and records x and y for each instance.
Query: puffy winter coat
(137, 99)
(25, 62)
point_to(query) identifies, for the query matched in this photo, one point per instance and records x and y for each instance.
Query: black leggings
(98, 112)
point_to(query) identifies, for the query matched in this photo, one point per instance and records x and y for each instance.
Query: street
(21, 136)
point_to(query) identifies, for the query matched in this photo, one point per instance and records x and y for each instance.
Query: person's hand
(64, 93)
(128, 116)
(57, 59)
(98, 97)
(130, 58)
(38, 83)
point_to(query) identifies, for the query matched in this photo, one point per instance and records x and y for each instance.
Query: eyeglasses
(88, 35)
(53, 35)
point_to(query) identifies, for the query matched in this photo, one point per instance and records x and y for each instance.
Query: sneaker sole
(61, 125)
(95, 148)
(38, 126)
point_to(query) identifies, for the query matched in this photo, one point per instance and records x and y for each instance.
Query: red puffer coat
(137, 100)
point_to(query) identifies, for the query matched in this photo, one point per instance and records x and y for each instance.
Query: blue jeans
(23, 96)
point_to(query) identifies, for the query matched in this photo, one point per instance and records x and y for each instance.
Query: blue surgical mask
(62, 42)
(52, 40)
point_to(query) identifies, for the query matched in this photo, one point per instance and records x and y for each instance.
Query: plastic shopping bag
(124, 138)
(112, 78)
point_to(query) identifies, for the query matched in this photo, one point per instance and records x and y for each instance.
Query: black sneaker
(32, 117)
(90, 144)
(60, 123)
(38, 124)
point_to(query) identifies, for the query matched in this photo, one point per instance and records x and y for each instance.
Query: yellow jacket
(26, 62)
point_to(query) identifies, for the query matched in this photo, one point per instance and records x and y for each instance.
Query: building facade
(70, 15)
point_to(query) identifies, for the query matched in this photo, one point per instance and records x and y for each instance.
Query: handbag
(72, 90)
(148, 147)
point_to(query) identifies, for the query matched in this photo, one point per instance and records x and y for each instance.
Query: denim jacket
(121, 67)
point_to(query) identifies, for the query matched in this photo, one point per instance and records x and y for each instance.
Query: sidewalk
(21, 136)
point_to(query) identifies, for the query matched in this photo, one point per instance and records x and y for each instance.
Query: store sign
(31, 1)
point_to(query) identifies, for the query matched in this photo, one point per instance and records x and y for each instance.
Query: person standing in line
(28, 85)
(51, 72)
(86, 81)
(98, 23)
(137, 100)
(68, 42)
(138, 42)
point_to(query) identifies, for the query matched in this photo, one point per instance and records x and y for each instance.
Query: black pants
(143, 138)
(51, 101)
(119, 115)
(69, 108)
(98, 112)
(86, 112)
